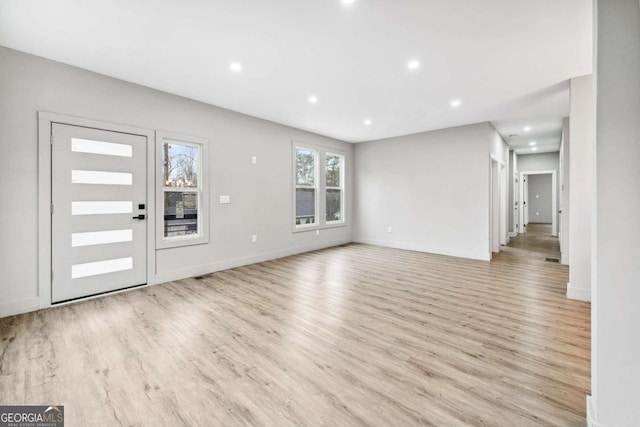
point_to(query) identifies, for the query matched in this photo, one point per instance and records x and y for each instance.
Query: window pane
(305, 167)
(334, 205)
(91, 238)
(101, 267)
(334, 167)
(99, 147)
(181, 164)
(305, 206)
(101, 208)
(100, 177)
(180, 213)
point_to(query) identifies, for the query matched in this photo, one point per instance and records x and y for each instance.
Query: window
(319, 195)
(306, 196)
(334, 188)
(182, 204)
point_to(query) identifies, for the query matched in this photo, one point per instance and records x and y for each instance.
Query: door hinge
(52, 275)
(51, 139)
(51, 208)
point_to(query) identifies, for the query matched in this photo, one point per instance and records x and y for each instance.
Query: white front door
(98, 195)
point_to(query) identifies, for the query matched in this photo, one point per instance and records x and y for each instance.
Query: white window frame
(320, 181)
(340, 221)
(316, 184)
(202, 191)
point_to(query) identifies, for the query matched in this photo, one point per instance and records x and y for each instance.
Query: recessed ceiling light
(313, 99)
(527, 128)
(368, 122)
(455, 103)
(347, 1)
(532, 143)
(236, 67)
(413, 64)
(534, 149)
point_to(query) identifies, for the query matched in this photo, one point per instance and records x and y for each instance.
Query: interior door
(98, 195)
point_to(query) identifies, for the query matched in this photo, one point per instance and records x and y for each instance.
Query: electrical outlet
(254, 159)
(389, 229)
(254, 238)
(225, 199)
(317, 232)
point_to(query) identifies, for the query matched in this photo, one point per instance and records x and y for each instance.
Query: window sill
(179, 243)
(318, 227)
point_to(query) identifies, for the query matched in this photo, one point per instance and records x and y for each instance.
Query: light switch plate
(225, 199)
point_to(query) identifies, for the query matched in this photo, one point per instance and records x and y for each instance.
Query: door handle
(139, 217)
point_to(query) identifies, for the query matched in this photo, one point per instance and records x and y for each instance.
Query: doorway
(540, 205)
(98, 211)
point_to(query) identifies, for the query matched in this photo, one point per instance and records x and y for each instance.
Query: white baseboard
(482, 256)
(578, 293)
(591, 414)
(33, 304)
(200, 270)
(19, 307)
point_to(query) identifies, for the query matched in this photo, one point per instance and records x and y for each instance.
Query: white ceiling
(544, 137)
(508, 61)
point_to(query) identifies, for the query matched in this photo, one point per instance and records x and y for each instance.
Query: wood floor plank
(354, 335)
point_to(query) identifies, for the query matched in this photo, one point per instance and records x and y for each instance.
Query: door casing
(45, 122)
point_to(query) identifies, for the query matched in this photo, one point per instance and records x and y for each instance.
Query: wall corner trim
(591, 414)
(578, 294)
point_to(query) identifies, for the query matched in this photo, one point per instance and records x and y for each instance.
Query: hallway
(537, 239)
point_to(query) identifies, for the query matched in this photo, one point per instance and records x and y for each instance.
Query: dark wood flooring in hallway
(537, 240)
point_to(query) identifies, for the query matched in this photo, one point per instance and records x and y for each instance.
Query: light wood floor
(354, 335)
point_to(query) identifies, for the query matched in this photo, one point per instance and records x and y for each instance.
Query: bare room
(313, 213)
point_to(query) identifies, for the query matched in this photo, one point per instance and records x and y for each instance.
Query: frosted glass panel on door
(99, 147)
(101, 237)
(99, 177)
(101, 267)
(101, 208)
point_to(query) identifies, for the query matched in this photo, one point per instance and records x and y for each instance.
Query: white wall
(538, 162)
(580, 176)
(500, 152)
(261, 195)
(565, 190)
(540, 198)
(616, 280)
(432, 188)
(499, 149)
(513, 192)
